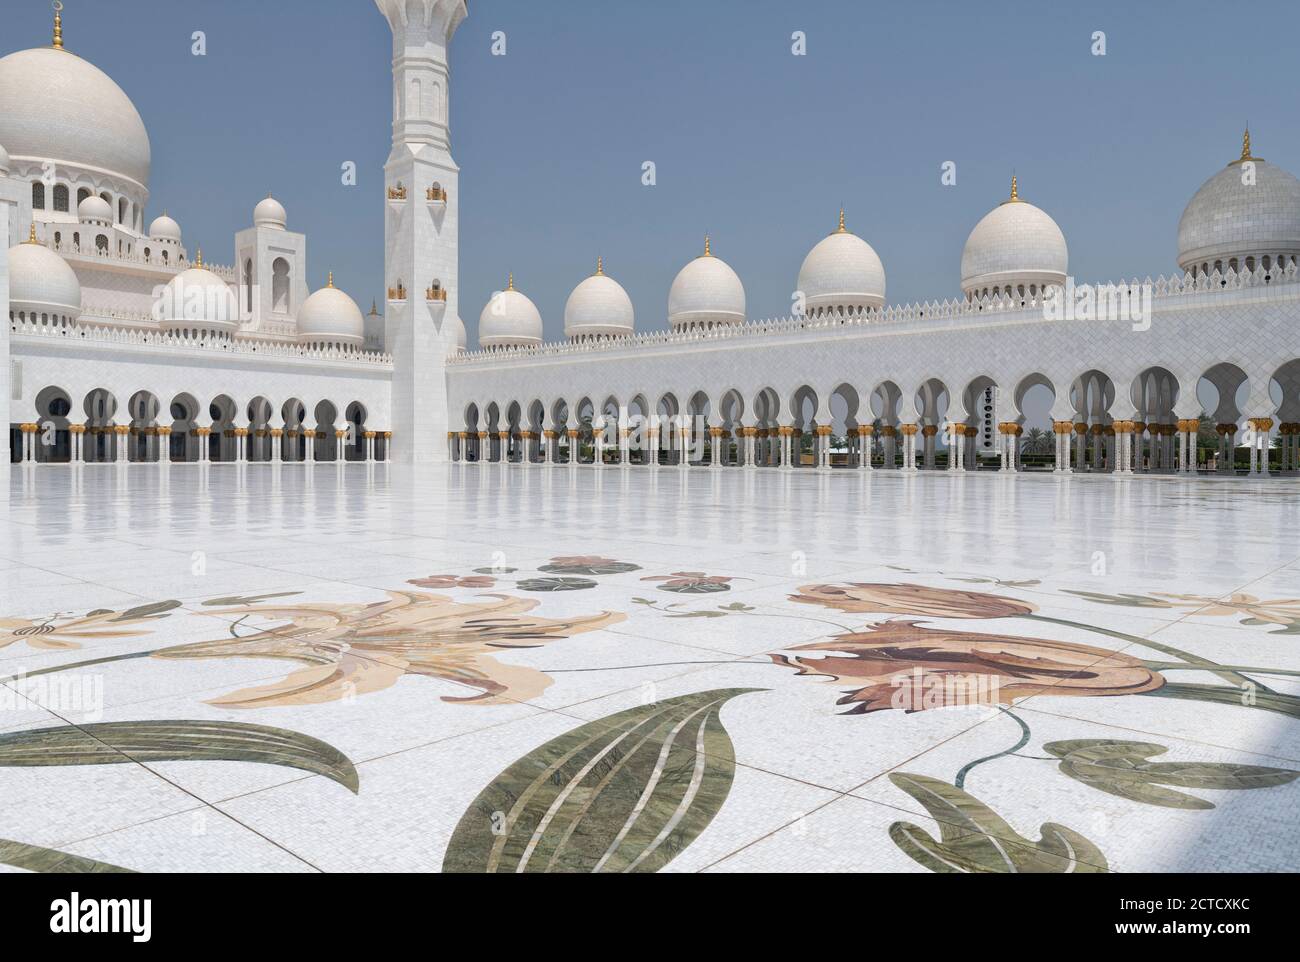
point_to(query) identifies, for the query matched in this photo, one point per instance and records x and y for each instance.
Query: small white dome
(706, 293)
(462, 336)
(331, 317)
(198, 300)
(599, 307)
(94, 208)
(165, 229)
(56, 106)
(1015, 245)
(4, 161)
(41, 282)
(509, 320)
(1228, 220)
(842, 273)
(270, 213)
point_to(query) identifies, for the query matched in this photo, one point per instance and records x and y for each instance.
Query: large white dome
(331, 317)
(56, 106)
(198, 300)
(509, 320)
(1015, 246)
(41, 282)
(842, 274)
(1229, 220)
(706, 293)
(599, 307)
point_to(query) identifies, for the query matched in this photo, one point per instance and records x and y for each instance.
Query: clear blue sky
(752, 144)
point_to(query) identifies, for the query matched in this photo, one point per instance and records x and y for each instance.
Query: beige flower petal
(320, 684)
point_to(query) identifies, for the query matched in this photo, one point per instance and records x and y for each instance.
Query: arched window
(61, 198)
(76, 242)
(82, 194)
(280, 286)
(101, 244)
(146, 253)
(248, 285)
(414, 105)
(38, 195)
(58, 238)
(165, 257)
(121, 210)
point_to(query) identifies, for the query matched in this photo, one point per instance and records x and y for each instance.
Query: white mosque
(125, 347)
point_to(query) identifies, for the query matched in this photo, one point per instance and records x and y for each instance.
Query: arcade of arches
(1153, 425)
(99, 430)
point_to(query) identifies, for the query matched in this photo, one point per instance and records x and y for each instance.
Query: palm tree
(1037, 441)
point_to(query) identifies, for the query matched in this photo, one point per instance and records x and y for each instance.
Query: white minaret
(421, 235)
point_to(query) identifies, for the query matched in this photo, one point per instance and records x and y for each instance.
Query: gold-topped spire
(1246, 155)
(31, 238)
(511, 287)
(843, 229)
(330, 282)
(600, 267)
(708, 250)
(198, 261)
(1015, 188)
(58, 25)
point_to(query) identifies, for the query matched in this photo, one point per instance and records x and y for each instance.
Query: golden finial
(58, 25)
(31, 238)
(600, 267)
(708, 252)
(1015, 188)
(330, 282)
(374, 306)
(843, 229)
(198, 262)
(512, 281)
(1246, 155)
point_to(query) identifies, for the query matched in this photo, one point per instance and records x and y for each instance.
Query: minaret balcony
(436, 197)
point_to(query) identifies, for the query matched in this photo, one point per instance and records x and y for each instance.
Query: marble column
(1063, 431)
(864, 447)
(956, 441)
(1259, 446)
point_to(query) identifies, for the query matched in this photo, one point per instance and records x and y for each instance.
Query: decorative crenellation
(956, 309)
(175, 340)
(90, 254)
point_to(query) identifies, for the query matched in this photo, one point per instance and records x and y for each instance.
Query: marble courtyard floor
(478, 668)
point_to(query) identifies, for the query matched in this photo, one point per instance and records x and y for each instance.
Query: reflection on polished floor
(484, 668)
